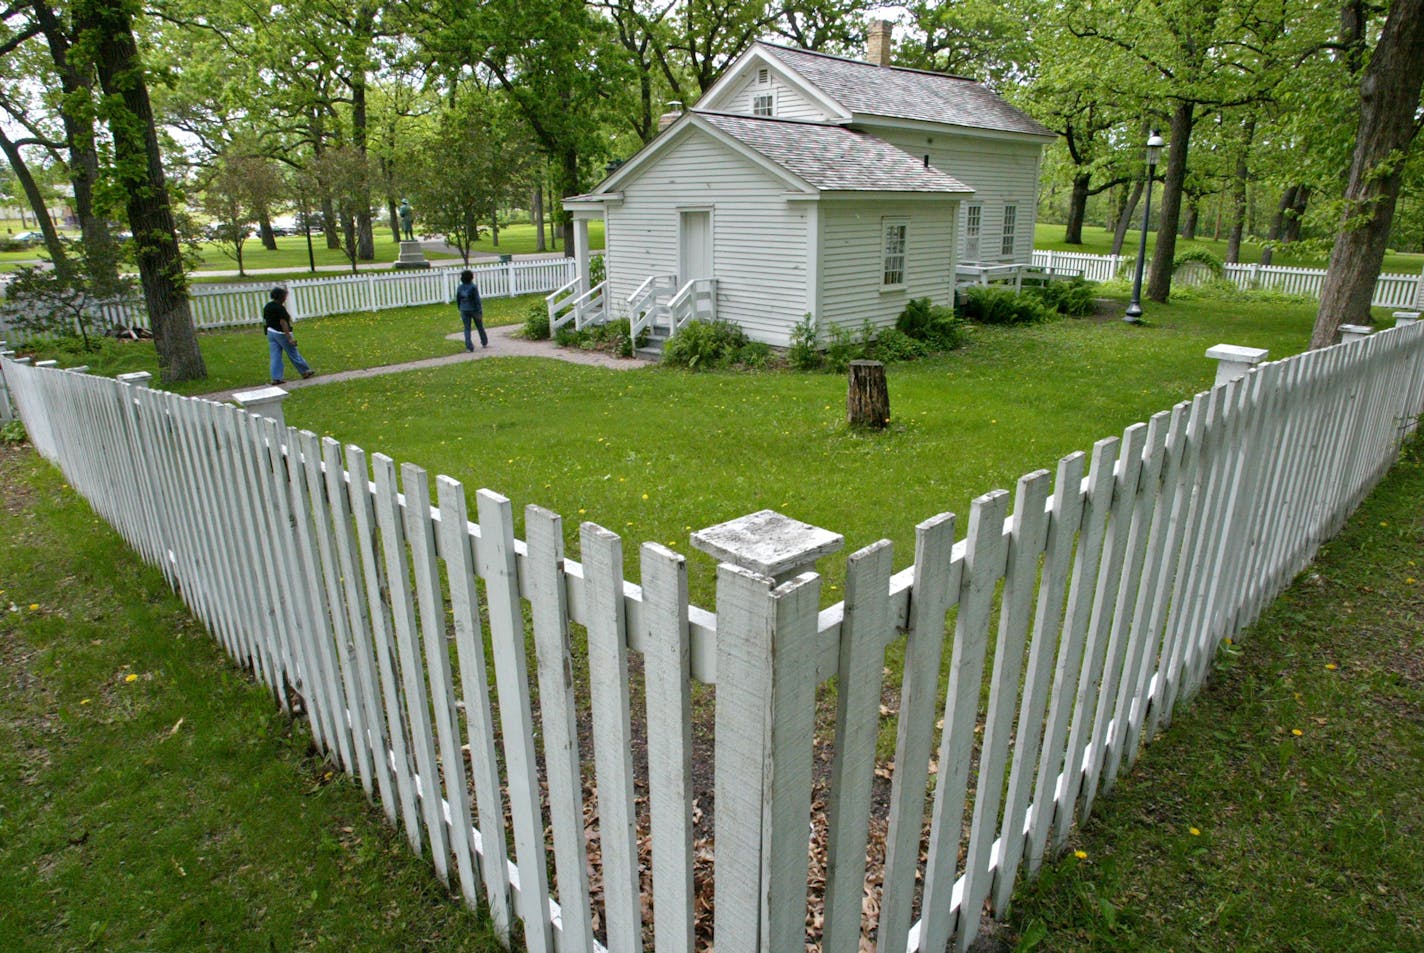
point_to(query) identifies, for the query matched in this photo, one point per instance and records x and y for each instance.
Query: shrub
(804, 354)
(705, 344)
(1073, 299)
(13, 432)
(895, 345)
(989, 305)
(536, 322)
(842, 348)
(597, 271)
(615, 337)
(938, 327)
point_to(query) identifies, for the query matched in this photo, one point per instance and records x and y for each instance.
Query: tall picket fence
(1391, 291)
(422, 647)
(223, 306)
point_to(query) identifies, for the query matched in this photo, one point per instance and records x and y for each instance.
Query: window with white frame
(895, 232)
(763, 105)
(1011, 214)
(973, 223)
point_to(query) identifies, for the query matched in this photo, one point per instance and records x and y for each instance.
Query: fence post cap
(49, 363)
(769, 543)
(259, 395)
(134, 377)
(1356, 329)
(1400, 317)
(1237, 354)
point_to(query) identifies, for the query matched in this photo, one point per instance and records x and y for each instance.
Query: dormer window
(763, 105)
(763, 76)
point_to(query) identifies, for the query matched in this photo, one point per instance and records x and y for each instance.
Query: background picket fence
(320, 570)
(223, 306)
(1391, 291)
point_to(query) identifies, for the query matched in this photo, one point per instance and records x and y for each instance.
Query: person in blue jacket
(467, 299)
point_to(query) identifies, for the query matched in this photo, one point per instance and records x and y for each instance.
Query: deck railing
(648, 304)
(1085, 616)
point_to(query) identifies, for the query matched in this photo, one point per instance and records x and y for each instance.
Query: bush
(536, 323)
(989, 305)
(13, 432)
(895, 345)
(701, 345)
(1073, 299)
(936, 326)
(615, 337)
(804, 354)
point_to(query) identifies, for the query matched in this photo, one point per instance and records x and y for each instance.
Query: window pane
(893, 272)
(1010, 222)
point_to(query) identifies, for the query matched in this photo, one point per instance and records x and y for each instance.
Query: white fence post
(1234, 360)
(765, 720)
(263, 401)
(1419, 290)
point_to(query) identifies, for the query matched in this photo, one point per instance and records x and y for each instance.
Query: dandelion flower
(1194, 832)
(131, 677)
(1330, 666)
(34, 606)
(1297, 732)
(645, 496)
(1080, 854)
(85, 701)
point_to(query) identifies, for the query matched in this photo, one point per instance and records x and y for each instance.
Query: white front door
(694, 245)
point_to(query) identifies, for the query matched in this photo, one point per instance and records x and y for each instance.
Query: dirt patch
(16, 495)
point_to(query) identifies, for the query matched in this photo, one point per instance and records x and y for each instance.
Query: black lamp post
(1154, 152)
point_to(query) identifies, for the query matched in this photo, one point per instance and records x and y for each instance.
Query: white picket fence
(1391, 291)
(320, 569)
(223, 306)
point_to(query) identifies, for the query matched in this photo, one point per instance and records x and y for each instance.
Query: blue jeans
(277, 345)
(468, 317)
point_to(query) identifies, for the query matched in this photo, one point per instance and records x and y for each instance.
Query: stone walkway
(504, 342)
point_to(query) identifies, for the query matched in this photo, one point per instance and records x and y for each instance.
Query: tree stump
(868, 400)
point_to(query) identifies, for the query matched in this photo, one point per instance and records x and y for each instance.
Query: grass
(1282, 810)
(658, 453)
(154, 798)
(238, 357)
(1098, 241)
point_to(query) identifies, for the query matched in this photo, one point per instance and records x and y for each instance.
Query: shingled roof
(896, 93)
(833, 158)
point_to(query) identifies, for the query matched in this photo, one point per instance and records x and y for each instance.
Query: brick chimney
(878, 43)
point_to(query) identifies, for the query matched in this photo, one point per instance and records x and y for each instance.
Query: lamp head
(1154, 148)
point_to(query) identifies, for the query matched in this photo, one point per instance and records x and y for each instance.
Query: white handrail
(697, 301)
(645, 305)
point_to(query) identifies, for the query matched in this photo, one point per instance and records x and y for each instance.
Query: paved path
(504, 342)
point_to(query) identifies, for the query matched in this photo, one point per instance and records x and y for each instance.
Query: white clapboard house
(806, 184)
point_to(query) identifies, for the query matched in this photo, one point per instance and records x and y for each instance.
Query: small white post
(1234, 360)
(135, 378)
(49, 363)
(1354, 332)
(78, 369)
(1405, 318)
(264, 401)
(1419, 290)
(765, 721)
(581, 253)
(509, 275)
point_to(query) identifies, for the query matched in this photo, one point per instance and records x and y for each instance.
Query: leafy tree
(61, 302)
(242, 188)
(346, 175)
(1389, 123)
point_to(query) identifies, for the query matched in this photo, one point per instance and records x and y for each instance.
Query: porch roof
(833, 158)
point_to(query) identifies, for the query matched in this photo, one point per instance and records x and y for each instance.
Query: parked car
(28, 238)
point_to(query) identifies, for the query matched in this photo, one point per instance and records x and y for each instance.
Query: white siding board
(1001, 172)
(851, 253)
(760, 240)
(790, 103)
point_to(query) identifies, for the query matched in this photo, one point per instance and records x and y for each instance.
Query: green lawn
(1282, 810)
(655, 454)
(1098, 241)
(238, 357)
(154, 798)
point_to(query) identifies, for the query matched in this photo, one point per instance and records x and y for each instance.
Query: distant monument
(411, 254)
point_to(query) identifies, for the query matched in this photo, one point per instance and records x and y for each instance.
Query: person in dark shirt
(280, 340)
(467, 299)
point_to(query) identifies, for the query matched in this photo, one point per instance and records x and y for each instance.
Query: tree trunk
(36, 200)
(1238, 194)
(536, 216)
(1189, 220)
(1389, 99)
(264, 230)
(365, 237)
(568, 186)
(1125, 217)
(394, 213)
(75, 111)
(1077, 207)
(1159, 280)
(868, 397)
(1290, 231)
(138, 170)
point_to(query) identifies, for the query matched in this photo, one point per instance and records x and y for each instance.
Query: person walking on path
(467, 299)
(278, 322)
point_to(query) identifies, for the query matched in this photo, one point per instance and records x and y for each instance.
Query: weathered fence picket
(1079, 623)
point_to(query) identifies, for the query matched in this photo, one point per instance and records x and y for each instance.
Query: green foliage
(804, 354)
(937, 326)
(1200, 256)
(65, 301)
(536, 322)
(13, 432)
(704, 345)
(990, 305)
(615, 337)
(842, 347)
(1073, 299)
(894, 345)
(597, 271)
